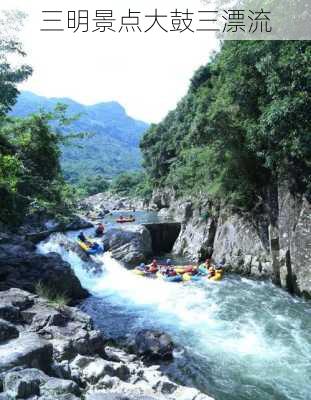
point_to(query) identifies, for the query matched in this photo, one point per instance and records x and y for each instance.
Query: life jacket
(153, 268)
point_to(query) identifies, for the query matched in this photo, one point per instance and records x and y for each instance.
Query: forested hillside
(243, 127)
(112, 146)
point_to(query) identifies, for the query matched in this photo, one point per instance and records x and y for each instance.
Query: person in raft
(99, 230)
(142, 267)
(82, 237)
(169, 268)
(211, 271)
(153, 267)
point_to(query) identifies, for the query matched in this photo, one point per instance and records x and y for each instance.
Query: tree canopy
(243, 125)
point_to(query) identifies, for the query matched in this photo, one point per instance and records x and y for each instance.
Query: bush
(55, 298)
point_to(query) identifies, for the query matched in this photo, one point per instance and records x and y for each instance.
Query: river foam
(242, 339)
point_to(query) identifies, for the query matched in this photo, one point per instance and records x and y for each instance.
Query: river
(237, 339)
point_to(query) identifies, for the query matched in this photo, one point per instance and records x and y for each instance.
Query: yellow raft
(83, 245)
(181, 276)
(88, 249)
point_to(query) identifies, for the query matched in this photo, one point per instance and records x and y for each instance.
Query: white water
(241, 339)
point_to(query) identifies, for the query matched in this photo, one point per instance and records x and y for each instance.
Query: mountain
(113, 146)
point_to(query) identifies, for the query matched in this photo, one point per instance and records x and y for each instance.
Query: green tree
(10, 74)
(243, 127)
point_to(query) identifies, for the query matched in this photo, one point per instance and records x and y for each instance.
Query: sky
(148, 73)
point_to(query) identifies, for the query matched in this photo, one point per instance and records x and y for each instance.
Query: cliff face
(247, 246)
(294, 253)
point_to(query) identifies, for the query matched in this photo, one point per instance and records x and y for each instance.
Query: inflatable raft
(124, 220)
(183, 274)
(88, 249)
(168, 278)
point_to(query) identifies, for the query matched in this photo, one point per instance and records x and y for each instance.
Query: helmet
(142, 265)
(168, 261)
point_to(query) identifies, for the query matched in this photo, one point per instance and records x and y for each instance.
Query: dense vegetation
(243, 127)
(30, 173)
(111, 147)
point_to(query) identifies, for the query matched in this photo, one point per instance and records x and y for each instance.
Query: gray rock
(75, 224)
(17, 298)
(23, 268)
(166, 387)
(80, 362)
(67, 396)
(99, 368)
(131, 244)
(153, 345)
(24, 383)
(116, 396)
(88, 343)
(27, 350)
(118, 355)
(7, 331)
(10, 313)
(55, 387)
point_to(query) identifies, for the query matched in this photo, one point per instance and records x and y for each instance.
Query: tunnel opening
(163, 236)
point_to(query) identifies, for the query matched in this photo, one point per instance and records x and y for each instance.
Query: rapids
(238, 339)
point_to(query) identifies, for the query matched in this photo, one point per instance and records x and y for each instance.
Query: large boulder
(29, 382)
(7, 331)
(153, 345)
(69, 330)
(22, 268)
(24, 383)
(27, 350)
(56, 387)
(130, 245)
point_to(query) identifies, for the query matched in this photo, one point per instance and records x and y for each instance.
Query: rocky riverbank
(49, 352)
(96, 207)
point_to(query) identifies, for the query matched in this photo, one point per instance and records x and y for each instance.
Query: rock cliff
(246, 244)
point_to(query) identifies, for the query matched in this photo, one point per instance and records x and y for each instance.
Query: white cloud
(147, 73)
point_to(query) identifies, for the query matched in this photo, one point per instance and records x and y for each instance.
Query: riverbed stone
(130, 245)
(153, 345)
(24, 383)
(56, 387)
(17, 298)
(118, 355)
(27, 350)
(9, 313)
(7, 331)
